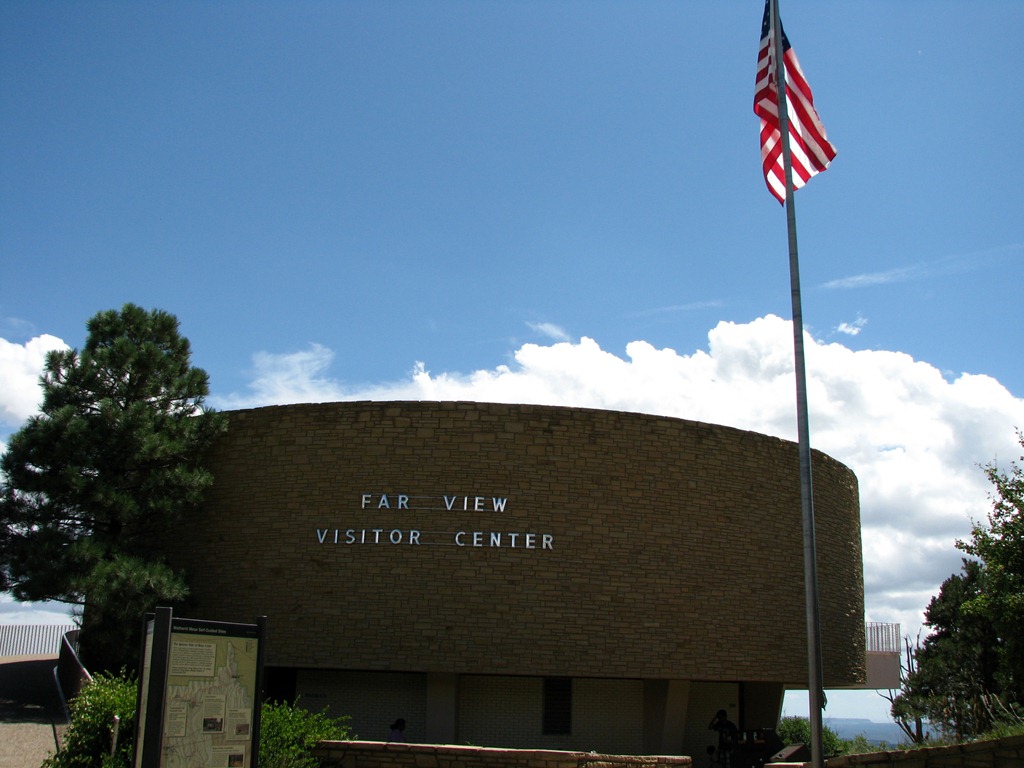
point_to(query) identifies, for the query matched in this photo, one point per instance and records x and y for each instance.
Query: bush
(87, 741)
(859, 745)
(288, 733)
(1005, 730)
(797, 730)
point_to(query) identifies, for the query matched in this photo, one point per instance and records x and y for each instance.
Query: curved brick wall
(626, 546)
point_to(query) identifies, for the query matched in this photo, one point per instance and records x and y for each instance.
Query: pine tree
(96, 479)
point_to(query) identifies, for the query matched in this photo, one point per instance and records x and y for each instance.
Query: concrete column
(442, 708)
(665, 703)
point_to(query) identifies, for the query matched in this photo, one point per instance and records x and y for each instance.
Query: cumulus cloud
(20, 396)
(915, 438)
(20, 368)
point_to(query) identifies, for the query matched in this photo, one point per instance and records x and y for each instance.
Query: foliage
(87, 741)
(1005, 730)
(797, 730)
(859, 745)
(907, 711)
(1000, 546)
(967, 677)
(92, 482)
(956, 664)
(288, 733)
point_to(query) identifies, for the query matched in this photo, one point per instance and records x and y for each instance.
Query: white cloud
(898, 275)
(552, 331)
(852, 329)
(294, 377)
(20, 368)
(677, 308)
(951, 264)
(12, 612)
(915, 439)
(20, 397)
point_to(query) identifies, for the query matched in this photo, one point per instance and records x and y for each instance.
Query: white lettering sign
(485, 539)
(455, 503)
(384, 501)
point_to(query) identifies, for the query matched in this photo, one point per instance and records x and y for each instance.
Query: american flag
(810, 149)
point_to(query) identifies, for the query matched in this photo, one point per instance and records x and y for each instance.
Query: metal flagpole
(814, 682)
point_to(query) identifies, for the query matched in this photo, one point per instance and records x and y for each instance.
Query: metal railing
(71, 674)
(32, 639)
(882, 638)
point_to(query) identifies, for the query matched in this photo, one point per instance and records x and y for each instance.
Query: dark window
(557, 706)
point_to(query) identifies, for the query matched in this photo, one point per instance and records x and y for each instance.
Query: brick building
(525, 576)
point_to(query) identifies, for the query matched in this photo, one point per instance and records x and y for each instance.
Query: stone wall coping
(333, 750)
(333, 753)
(944, 755)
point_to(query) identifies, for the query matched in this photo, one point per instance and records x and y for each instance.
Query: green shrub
(1005, 730)
(87, 741)
(797, 730)
(859, 745)
(288, 733)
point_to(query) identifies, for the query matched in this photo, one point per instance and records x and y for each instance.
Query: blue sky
(543, 201)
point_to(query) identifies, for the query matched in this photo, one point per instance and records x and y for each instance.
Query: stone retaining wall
(999, 753)
(375, 754)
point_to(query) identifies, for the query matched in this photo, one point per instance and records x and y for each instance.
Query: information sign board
(199, 693)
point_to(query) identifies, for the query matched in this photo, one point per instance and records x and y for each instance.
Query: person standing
(727, 732)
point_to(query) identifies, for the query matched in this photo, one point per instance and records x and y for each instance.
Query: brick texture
(675, 546)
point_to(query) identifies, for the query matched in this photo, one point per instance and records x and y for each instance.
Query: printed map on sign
(211, 683)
